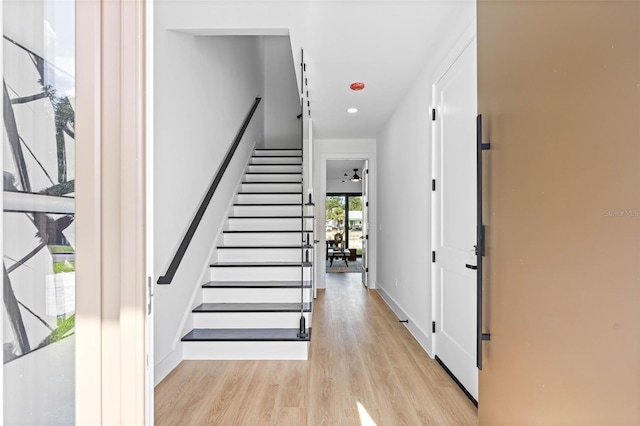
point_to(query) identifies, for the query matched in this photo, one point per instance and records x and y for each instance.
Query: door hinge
(433, 184)
(433, 114)
(367, 171)
(433, 256)
(433, 326)
(366, 269)
(366, 204)
(367, 237)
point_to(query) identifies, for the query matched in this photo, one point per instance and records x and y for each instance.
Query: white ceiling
(384, 44)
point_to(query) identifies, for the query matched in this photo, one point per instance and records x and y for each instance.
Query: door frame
(110, 206)
(320, 213)
(455, 52)
(365, 224)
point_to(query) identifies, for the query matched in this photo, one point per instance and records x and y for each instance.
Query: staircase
(261, 282)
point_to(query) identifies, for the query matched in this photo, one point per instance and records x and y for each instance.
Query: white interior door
(365, 224)
(455, 219)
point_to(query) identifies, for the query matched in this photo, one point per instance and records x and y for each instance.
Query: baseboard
(166, 366)
(421, 337)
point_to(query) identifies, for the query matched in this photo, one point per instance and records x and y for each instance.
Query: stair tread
(277, 156)
(244, 334)
(270, 217)
(256, 284)
(252, 307)
(261, 247)
(274, 164)
(273, 173)
(278, 149)
(272, 183)
(275, 231)
(267, 204)
(270, 193)
(257, 264)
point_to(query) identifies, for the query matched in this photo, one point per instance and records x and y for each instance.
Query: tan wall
(559, 89)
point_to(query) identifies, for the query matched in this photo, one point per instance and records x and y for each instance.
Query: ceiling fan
(354, 178)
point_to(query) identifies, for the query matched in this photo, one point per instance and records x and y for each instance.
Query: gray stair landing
(245, 335)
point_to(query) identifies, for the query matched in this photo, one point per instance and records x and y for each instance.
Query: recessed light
(352, 110)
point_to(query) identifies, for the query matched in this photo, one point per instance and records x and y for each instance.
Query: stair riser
(258, 273)
(245, 350)
(254, 295)
(263, 238)
(276, 160)
(276, 152)
(248, 319)
(272, 187)
(265, 224)
(267, 210)
(277, 169)
(260, 255)
(273, 178)
(269, 198)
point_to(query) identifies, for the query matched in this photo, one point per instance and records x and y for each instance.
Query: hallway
(364, 368)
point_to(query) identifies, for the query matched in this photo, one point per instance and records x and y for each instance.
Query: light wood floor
(364, 368)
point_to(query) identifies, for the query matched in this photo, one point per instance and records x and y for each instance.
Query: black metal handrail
(186, 240)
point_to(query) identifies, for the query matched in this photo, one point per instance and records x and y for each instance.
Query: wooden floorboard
(364, 368)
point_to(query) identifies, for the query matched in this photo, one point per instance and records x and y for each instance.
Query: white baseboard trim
(166, 366)
(421, 337)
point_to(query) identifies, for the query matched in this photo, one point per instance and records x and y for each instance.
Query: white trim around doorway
(321, 185)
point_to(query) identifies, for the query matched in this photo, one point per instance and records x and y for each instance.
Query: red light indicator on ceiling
(358, 85)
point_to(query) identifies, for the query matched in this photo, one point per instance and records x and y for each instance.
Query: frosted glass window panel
(38, 250)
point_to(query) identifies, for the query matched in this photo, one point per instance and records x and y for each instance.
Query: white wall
(281, 95)
(404, 190)
(343, 149)
(204, 87)
(404, 213)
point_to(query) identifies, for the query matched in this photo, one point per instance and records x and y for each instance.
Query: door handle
(479, 248)
(471, 266)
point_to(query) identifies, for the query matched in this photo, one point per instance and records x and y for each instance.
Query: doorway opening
(345, 210)
(343, 232)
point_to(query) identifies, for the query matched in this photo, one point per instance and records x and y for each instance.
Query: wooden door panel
(559, 90)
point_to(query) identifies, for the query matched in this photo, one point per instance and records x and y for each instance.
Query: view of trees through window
(344, 217)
